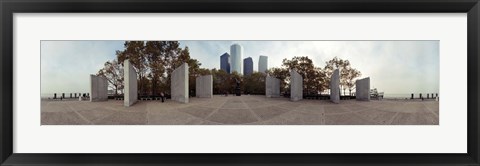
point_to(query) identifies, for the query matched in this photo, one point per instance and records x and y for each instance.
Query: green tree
(134, 52)
(319, 80)
(304, 66)
(349, 81)
(155, 61)
(113, 71)
(221, 81)
(282, 74)
(155, 52)
(347, 73)
(254, 83)
(171, 62)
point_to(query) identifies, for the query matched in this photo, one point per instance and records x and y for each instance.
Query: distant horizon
(395, 67)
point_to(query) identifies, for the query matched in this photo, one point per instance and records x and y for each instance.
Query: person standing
(163, 96)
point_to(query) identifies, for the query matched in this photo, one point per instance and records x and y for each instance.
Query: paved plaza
(244, 110)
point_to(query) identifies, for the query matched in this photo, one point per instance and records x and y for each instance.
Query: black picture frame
(9, 7)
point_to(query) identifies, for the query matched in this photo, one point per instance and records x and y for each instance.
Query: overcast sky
(394, 67)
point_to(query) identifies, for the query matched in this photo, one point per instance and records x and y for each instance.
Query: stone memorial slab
(98, 88)
(272, 86)
(179, 84)
(296, 86)
(334, 87)
(362, 89)
(204, 86)
(131, 88)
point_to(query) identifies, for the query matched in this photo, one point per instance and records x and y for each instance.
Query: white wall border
(448, 137)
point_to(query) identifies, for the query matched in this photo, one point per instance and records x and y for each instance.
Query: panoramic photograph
(246, 82)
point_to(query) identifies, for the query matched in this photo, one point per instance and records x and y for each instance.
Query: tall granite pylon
(204, 86)
(362, 89)
(296, 86)
(272, 86)
(179, 84)
(334, 87)
(130, 81)
(98, 88)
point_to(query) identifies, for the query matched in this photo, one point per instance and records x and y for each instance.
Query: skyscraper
(236, 53)
(225, 62)
(262, 63)
(247, 66)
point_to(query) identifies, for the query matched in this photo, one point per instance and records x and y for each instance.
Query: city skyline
(225, 62)
(247, 66)
(394, 66)
(262, 63)
(236, 58)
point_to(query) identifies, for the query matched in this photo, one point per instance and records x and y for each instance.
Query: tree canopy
(315, 79)
(347, 73)
(154, 61)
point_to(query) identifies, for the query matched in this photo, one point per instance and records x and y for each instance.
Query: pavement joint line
(213, 121)
(378, 106)
(393, 118)
(105, 116)
(339, 113)
(251, 111)
(324, 115)
(83, 106)
(216, 110)
(184, 113)
(430, 110)
(80, 115)
(367, 119)
(280, 108)
(147, 109)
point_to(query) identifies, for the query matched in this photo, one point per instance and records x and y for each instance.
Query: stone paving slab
(292, 118)
(415, 119)
(171, 117)
(336, 109)
(123, 118)
(356, 107)
(268, 112)
(289, 105)
(234, 104)
(347, 119)
(380, 117)
(197, 111)
(61, 118)
(232, 116)
(94, 115)
(245, 109)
